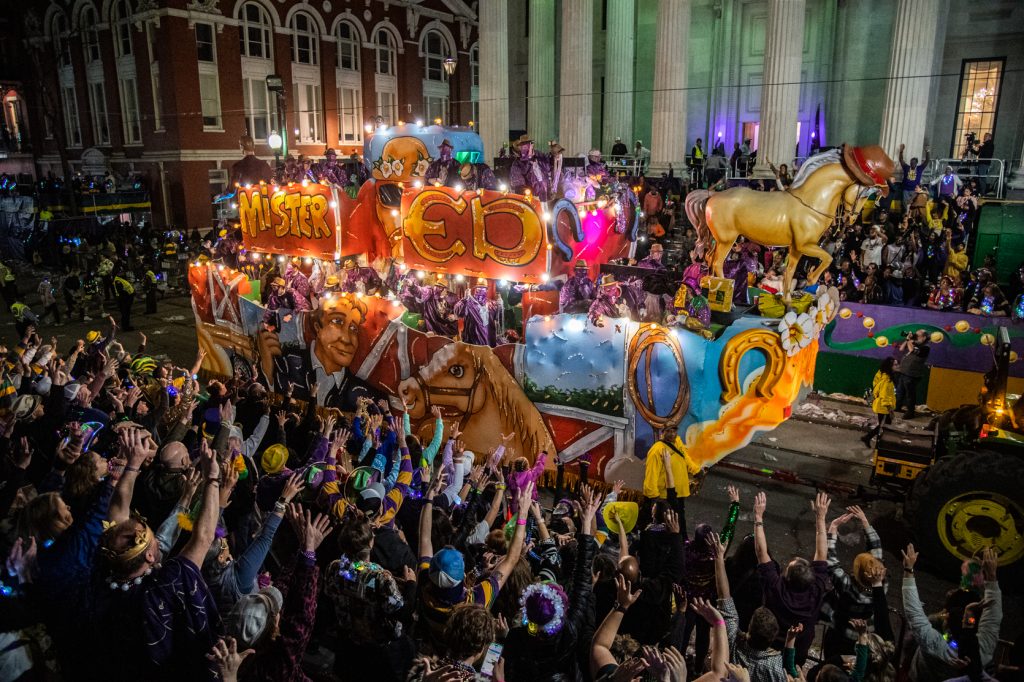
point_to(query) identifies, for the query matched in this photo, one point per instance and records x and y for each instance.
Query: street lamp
(275, 84)
(274, 142)
(449, 65)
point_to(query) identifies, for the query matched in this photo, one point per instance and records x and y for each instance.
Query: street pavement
(820, 445)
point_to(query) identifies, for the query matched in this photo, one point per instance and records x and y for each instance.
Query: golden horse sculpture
(474, 390)
(796, 218)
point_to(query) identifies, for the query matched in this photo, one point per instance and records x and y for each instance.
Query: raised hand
(859, 514)
(909, 557)
(228, 658)
(792, 634)
(734, 493)
(676, 664)
(208, 462)
(833, 527)
(760, 504)
(227, 413)
(715, 541)
(989, 564)
(707, 611)
(820, 504)
(21, 561)
(435, 410)
(672, 521)
(623, 592)
(328, 425)
(593, 504)
(682, 601)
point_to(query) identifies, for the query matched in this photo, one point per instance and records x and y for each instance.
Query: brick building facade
(164, 88)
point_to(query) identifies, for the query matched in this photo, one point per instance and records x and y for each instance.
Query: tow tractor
(963, 483)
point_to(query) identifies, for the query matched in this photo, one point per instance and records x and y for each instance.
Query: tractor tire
(967, 502)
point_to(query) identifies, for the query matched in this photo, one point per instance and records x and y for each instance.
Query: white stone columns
(618, 73)
(904, 118)
(780, 85)
(576, 102)
(668, 124)
(540, 105)
(493, 76)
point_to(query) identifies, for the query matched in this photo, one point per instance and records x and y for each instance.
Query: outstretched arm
(820, 506)
(760, 541)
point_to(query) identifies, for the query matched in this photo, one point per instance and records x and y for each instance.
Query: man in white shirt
(871, 248)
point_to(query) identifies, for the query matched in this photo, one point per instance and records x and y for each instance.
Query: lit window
(350, 105)
(385, 43)
(259, 118)
(254, 31)
(122, 28)
(980, 81)
(435, 107)
(307, 103)
(348, 47)
(435, 51)
(386, 103)
(305, 41)
(209, 94)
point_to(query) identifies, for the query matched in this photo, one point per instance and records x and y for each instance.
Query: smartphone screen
(491, 659)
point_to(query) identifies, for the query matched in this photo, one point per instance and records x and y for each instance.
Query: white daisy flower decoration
(796, 331)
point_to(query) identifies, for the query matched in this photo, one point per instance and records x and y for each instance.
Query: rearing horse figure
(796, 218)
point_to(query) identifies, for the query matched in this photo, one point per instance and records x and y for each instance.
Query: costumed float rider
(476, 176)
(739, 264)
(534, 172)
(359, 279)
(667, 472)
(331, 171)
(250, 170)
(436, 304)
(298, 283)
(444, 169)
(280, 298)
(578, 291)
(607, 303)
(597, 172)
(481, 318)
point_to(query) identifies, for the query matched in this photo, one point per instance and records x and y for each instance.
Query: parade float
(598, 383)
(600, 386)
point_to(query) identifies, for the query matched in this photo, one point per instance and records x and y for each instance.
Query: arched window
(348, 47)
(305, 40)
(254, 31)
(90, 34)
(386, 52)
(61, 44)
(474, 64)
(435, 51)
(121, 27)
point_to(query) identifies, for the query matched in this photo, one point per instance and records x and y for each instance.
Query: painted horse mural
(829, 184)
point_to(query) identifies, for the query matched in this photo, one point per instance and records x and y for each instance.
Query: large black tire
(964, 503)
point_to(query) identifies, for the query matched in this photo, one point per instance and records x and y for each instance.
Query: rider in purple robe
(695, 271)
(436, 304)
(444, 169)
(595, 169)
(481, 318)
(653, 259)
(476, 176)
(607, 303)
(280, 298)
(298, 284)
(332, 171)
(740, 262)
(360, 280)
(534, 172)
(578, 291)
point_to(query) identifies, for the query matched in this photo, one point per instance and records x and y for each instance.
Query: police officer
(149, 284)
(124, 292)
(23, 317)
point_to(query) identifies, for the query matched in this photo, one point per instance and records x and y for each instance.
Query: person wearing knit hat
(442, 576)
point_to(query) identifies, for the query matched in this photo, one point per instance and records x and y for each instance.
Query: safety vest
(18, 310)
(125, 286)
(170, 249)
(7, 273)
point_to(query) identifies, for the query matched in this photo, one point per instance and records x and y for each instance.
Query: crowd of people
(157, 527)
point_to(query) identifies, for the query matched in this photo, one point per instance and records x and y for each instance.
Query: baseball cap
(447, 568)
(253, 614)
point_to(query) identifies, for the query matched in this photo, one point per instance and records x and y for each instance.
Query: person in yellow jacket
(124, 291)
(883, 401)
(668, 470)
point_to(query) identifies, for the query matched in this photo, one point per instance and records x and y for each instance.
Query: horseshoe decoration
(769, 343)
(641, 346)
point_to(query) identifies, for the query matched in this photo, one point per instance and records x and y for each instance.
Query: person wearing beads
(168, 598)
(795, 594)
